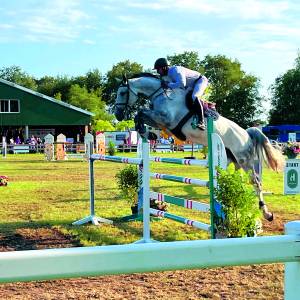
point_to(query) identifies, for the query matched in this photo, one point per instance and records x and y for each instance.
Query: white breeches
(200, 87)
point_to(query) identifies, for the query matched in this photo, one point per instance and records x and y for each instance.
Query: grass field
(43, 198)
(56, 194)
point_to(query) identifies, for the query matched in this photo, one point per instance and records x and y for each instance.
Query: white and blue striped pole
(146, 193)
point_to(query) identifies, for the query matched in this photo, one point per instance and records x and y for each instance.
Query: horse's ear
(124, 78)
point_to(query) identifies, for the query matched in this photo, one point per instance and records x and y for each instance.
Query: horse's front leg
(140, 120)
(139, 124)
(258, 187)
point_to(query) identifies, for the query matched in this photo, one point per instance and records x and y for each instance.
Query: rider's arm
(178, 78)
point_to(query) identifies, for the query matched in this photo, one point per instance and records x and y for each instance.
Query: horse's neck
(172, 102)
(145, 85)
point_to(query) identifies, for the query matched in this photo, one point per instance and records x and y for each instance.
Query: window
(14, 105)
(4, 105)
(9, 106)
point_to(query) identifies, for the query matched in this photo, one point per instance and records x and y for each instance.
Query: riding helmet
(160, 63)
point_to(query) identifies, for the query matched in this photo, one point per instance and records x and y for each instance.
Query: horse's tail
(264, 149)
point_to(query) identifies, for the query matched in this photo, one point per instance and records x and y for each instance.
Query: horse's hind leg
(258, 187)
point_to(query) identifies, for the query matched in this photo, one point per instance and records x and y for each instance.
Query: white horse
(168, 110)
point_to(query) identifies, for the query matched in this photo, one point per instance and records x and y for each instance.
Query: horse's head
(145, 84)
(126, 98)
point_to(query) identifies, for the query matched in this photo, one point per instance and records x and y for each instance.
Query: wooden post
(60, 147)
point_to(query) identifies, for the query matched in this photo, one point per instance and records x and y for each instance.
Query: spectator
(171, 139)
(18, 140)
(164, 141)
(32, 140)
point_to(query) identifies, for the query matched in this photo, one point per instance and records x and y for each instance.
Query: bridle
(128, 107)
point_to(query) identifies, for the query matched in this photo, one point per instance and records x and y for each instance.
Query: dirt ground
(247, 282)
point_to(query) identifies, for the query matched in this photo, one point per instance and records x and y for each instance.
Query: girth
(177, 131)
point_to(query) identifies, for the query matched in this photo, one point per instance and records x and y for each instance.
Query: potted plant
(159, 204)
(204, 151)
(291, 149)
(127, 180)
(3, 180)
(111, 148)
(238, 200)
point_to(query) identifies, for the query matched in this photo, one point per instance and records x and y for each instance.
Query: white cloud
(246, 9)
(48, 20)
(276, 46)
(89, 42)
(45, 29)
(127, 18)
(6, 26)
(285, 30)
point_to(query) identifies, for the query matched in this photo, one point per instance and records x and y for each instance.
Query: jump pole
(210, 129)
(146, 193)
(92, 218)
(217, 157)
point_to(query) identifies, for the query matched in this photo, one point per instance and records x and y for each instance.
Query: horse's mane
(144, 74)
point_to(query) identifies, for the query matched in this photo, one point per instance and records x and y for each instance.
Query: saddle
(209, 110)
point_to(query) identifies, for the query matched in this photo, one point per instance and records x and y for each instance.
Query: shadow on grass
(24, 161)
(188, 192)
(110, 198)
(32, 236)
(36, 169)
(16, 236)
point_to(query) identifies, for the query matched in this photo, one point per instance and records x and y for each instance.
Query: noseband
(127, 107)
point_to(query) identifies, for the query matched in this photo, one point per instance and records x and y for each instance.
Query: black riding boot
(200, 114)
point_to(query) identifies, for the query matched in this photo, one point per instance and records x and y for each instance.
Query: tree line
(235, 92)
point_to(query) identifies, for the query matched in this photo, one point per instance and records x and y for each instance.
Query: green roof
(38, 109)
(46, 97)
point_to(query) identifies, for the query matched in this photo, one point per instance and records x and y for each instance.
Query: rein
(128, 108)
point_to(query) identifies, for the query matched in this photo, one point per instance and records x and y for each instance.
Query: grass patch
(55, 194)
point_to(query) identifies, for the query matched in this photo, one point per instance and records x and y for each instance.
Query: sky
(71, 37)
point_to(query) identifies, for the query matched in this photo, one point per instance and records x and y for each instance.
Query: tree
(91, 101)
(102, 125)
(80, 97)
(52, 86)
(286, 97)
(16, 75)
(125, 125)
(92, 80)
(112, 83)
(186, 59)
(47, 86)
(234, 92)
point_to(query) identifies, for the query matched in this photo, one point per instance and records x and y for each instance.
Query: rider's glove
(164, 84)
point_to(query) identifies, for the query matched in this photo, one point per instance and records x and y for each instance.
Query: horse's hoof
(269, 216)
(152, 136)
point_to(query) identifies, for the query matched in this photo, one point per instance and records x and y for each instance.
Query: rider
(182, 77)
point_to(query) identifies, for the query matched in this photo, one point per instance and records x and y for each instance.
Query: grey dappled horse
(167, 110)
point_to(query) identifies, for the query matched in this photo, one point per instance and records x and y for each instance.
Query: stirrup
(201, 126)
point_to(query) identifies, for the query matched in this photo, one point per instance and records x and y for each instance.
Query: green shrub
(239, 203)
(204, 151)
(111, 148)
(127, 180)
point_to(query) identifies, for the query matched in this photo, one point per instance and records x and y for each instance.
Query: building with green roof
(26, 112)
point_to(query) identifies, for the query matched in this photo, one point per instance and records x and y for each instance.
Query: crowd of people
(31, 141)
